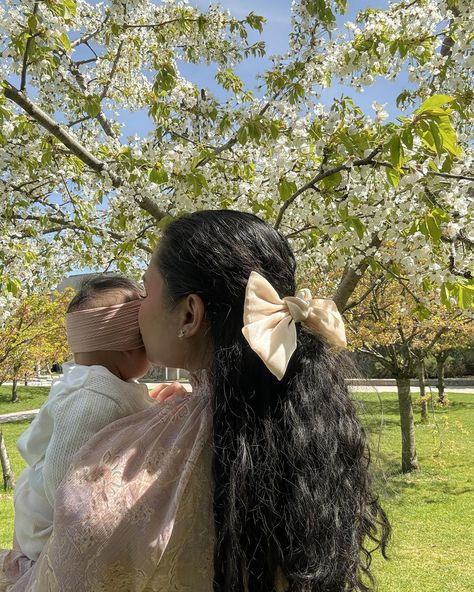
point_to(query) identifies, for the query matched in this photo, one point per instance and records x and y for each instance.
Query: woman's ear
(193, 315)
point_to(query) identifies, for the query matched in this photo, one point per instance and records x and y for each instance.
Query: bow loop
(297, 307)
(269, 322)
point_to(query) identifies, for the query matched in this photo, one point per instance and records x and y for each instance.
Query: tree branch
(451, 176)
(27, 51)
(372, 287)
(438, 335)
(65, 224)
(352, 276)
(104, 92)
(158, 25)
(319, 177)
(459, 237)
(88, 36)
(455, 271)
(233, 140)
(104, 123)
(54, 128)
(74, 146)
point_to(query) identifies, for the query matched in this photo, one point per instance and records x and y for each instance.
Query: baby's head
(102, 326)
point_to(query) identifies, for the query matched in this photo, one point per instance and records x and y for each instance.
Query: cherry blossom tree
(350, 190)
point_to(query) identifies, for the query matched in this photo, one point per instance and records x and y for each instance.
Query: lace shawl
(134, 512)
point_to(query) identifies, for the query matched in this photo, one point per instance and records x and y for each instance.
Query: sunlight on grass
(30, 397)
(11, 431)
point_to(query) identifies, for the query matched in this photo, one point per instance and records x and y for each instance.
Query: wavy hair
(293, 500)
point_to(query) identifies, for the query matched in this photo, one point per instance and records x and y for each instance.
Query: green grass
(11, 431)
(432, 511)
(30, 397)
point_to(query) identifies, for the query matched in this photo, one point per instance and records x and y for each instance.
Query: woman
(258, 481)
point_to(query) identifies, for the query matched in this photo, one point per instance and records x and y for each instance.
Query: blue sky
(275, 35)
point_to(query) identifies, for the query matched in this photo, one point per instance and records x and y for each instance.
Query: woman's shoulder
(163, 421)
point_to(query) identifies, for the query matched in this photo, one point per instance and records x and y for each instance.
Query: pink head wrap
(108, 328)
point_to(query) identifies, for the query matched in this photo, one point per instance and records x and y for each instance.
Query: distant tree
(389, 324)
(461, 336)
(32, 336)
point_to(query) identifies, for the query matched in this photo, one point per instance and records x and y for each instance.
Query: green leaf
(197, 181)
(357, 225)
(392, 176)
(464, 297)
(163, 223)
(286, 188)
(447, 164)
(13, 286)
(332, 181)
(434, 102)
(426, 285)
(71, 5)
(396, 152)
(448, 135)
(165, 78)
(158, 174)
(469, 287)
(441, 214)
(425, 134)
(122, 221)
(92, 106)
(275, 127)
(407, 138)
(422, 312)
(438, 140)
(445, 293)
(423, 227)
(65, 41)
(433, 226)
(254, 129)
(32, 23)
(242, 135)
(255, 21)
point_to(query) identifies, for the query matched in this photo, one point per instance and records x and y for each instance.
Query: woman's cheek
(144, 321)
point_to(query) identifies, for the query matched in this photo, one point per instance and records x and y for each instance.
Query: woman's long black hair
(293, 499)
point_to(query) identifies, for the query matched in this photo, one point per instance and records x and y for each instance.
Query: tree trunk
(421, 384)
(14, 398)
(351, 277)
(8, 479)
(440, 363)
(409, 459)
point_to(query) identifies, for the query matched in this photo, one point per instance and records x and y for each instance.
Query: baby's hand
(166, 390)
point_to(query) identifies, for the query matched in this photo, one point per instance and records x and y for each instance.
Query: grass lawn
(11, 431)
(30, 397)
(432, 511)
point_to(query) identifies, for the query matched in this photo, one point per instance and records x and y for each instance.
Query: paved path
(18, 416)
(365, 388)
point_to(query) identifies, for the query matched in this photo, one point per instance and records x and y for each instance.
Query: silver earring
(181, 333)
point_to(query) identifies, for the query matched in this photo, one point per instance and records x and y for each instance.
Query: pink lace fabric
(134, 512)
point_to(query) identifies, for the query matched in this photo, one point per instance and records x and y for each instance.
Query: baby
(98, 388)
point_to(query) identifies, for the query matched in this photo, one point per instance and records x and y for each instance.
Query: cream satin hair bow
(269, 322)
